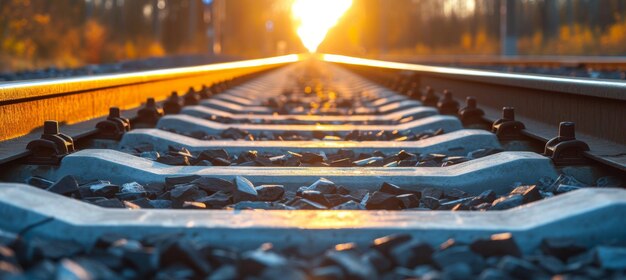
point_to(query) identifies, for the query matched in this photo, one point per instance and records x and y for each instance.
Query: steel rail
(25, 105)
(597, 106)
(583, 62)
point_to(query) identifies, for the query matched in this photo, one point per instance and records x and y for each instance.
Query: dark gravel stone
(322, 185)
(155, 187)
(507, 202)
(564, 180)
(244, 190)
(350, 205)
(177, 180)
(359, 194)
(132, 187)
(311, 158)
(174, 160)
(264, 205)
(411, 254)
(449, 161)
(497, 245)
(305, 204)
(186, 192)
(383, 201)
(338, 199)
(352, 266)
(131, 195)
(549, 263)
(379, 261)
(255, 262)
(458, 271)
(110, 203)
(217, 200)
(151, 155)
(143, 203)
(454, 193)
(212, 154)
(370, 162)
(220, 162)
(108, 239)
(212, 185)
(104, 188)
(459, 254)
(283, 272)
(161, 204)
(430, 202)
(224, 272)
(487, 196)
(344, 162)
(459, 204)
(561, 248)
(493, 274)
(409, 200)
(396, 190)
(331, 272)
(185, 252)
(41, 270)
(270, 192)
(432, 192)
(519, 268)
(48, 249)
(613, 258)
(316, 197)
(263, 161)
(175, 271)
(83, 268)
(65, 186)
(530, 193)
(386, 243)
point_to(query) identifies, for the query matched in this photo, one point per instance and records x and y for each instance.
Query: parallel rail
(597, 106)
(412, 157)
(25, 105)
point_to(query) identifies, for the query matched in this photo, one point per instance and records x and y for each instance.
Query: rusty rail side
(25, 105)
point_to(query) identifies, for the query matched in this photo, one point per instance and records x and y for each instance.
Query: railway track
(323, 167)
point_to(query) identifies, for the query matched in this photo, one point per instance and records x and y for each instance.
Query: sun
(315, 17)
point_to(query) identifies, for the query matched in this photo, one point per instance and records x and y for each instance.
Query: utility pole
(193, 20)
(508, 28)
(219, 15)
(156, 21)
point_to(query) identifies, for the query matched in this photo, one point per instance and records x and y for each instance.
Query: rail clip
(52, 147)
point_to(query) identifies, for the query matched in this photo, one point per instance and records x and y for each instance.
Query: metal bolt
(567, 130)
(114, 112)
(151, 102)
(508, 113)
(470, 102)
(51, 127)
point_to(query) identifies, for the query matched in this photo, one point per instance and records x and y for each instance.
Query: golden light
(315, 18)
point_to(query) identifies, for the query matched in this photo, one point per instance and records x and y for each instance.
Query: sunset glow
(315, 17)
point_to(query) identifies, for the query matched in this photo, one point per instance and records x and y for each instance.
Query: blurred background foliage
(73, 33)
